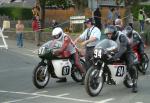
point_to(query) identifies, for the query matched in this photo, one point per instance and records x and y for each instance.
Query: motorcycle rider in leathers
(67, 45)
(124, 52)
(135, 40)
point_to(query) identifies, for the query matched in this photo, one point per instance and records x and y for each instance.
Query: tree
(41, 4)
(80, 5)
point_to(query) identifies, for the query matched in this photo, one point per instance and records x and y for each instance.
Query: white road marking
(40, 92)
(18, 100)
(33, 51)
(139, 102)
(105, 101)
(29, 55)
(61, 95)
(49, 96)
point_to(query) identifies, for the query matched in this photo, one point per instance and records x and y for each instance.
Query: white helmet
(57, 33)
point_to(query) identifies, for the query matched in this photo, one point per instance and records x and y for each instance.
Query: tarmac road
(16, 67)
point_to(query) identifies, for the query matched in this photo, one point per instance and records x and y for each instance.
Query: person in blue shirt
(90, 37)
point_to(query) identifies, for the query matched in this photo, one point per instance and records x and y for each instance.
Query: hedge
(16, 12)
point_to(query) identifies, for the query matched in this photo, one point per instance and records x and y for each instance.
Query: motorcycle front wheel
(93, 83)
(41, 75)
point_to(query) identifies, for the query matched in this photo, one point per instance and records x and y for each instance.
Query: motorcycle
(142, 62)
(102, 69)
(54, 66)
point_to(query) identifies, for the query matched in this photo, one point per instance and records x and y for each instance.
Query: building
(18, 3)
(93, 4)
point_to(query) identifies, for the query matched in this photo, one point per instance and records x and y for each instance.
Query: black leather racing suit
(137, 41)
(125, 53)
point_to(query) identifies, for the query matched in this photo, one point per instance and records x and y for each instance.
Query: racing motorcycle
(103, 70)
(54, 66)
(142, 62)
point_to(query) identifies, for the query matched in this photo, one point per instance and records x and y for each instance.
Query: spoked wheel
(93, 83)
(75, 74)
(40, 76)
(145, 63)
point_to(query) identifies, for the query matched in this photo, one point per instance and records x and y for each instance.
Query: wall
(64, 15)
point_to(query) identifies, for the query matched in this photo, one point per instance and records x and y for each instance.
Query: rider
(124, 52)
(67, 45)
(135, 40)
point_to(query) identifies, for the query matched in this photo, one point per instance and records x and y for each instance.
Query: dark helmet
(89, 20)
(113, 30)
(128, 30)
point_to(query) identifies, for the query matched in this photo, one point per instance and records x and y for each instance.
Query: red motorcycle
(143, 62)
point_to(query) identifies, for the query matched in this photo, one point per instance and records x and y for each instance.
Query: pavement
(30, 46)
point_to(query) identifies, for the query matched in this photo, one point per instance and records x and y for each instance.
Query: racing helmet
(111, 30)
(57, 33)
(128, 30)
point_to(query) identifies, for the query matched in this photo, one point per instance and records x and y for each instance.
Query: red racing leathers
(68, 46)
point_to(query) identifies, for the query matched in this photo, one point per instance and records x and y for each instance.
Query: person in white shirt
(90, 37)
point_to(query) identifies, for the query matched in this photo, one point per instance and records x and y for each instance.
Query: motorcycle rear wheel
(75, 74)
(93, 83)
(144, 65)
(39, 79)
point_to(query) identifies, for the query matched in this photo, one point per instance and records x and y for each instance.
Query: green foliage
(16, 12)
(59, 3)
(135, 10)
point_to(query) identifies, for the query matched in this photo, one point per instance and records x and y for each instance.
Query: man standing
(90, 38)
(110, 17)
(141, 18)
(19, 32)
(36, 25)
(97, 18)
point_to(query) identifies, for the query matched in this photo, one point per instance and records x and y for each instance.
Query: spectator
(36, 26)
(54, 24)
(141, 18)
(119, 23)
(116, 13)
(131, 20)
(110, 17)
(19, 32)
(97, 18)
(90, 37)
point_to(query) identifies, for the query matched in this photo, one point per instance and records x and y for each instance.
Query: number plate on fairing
(118, 72)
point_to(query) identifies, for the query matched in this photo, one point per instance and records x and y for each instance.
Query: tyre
(128, 80)
(144, 64)
(93, 83)
(40, 76)
(75, 74)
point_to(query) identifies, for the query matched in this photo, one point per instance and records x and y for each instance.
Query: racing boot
(61, 80)
(111, 82)
(134, 88)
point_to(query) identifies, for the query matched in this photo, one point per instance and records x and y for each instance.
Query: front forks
(101, 68)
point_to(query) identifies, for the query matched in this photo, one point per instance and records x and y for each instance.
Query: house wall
(64, 15)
